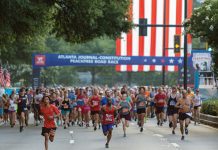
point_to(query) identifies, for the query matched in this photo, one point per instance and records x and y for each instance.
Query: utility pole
(185, 52)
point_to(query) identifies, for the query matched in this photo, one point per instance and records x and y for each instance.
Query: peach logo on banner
(40, 60)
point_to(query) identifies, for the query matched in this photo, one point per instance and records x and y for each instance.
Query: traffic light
(177, 46)
(142, 27)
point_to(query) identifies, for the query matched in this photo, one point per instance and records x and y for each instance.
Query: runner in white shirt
(197, 106)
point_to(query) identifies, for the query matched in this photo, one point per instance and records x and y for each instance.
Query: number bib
(95, 103)
(142, 104)
(125, 110)
(109, 117)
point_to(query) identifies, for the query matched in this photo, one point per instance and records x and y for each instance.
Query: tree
(23, 22)
(204, 24)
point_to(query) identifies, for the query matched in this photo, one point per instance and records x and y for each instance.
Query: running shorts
(126, 117)
(183, 116)
(46, 130)
(107, 127)
(95, 112)
(159, 110)
(141, 111)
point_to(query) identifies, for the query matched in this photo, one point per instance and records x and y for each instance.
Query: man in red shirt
(160, 101)
(108, 111)
(49, 112)
(95, 104)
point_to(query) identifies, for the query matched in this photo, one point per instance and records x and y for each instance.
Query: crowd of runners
(101, 108)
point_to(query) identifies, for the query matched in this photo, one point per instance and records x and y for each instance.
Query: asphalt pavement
(200, 137)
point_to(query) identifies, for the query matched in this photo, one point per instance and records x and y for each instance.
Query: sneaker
(158, 123)
(183, 137)
(173, 132)
(161, 124)
(124, 135)
(95, 128)
(186, 131)
(195, 123)
(99, 127)
(72, 123)
(65, 127)
(141, 130)
(106, 145)
(170, 124)
(21, 128)
(68, 124)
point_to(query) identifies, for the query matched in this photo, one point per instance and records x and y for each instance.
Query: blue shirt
(104, 101)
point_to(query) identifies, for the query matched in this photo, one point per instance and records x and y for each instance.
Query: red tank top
(108, 115)
(96, 102)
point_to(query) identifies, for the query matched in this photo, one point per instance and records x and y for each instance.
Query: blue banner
(47, 60)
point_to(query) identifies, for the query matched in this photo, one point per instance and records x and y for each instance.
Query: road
(200, 137)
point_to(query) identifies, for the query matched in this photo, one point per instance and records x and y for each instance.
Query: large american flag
(131, 44)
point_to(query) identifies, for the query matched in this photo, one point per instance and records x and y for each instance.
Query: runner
(108, 111)
(36, 106)
(160, 101)
(65, 110)
(86, 109)
(172, 111)
(141, 107)
(184, 104)
(6, 104)
(80, 104)
(49, 112)
(12, 109)
(95, 102)
(22, 107)
(125, 116)
(197, 106)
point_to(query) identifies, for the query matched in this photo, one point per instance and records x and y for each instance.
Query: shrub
(210, 107)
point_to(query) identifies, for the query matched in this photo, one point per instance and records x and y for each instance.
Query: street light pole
(185, 52)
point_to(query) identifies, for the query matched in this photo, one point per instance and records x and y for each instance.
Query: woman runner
(125, 116)
(141, 107)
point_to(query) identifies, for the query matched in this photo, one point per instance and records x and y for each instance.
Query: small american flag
(1, 76)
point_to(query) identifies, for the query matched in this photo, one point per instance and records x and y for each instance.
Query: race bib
(172, 103)
(125, 110)
(161, 101)
(25, 108)
(66, 106)
(109, 117)
(95, 103)
(142, 104)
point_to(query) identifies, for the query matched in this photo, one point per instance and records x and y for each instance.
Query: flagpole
(164, 44)
(185, 51)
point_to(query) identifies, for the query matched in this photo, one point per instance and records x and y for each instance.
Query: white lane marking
(158, 135)
(72, 141)
(175, 145)
(71, 132)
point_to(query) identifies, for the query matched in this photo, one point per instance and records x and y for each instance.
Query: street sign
(177, 42)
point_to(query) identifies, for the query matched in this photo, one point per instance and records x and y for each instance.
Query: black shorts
(126, 117)
(183, 116)
(141, 110)
(46, 130)
(196, 107)
(95, 112)
(159, 110)
(36, 107)
(171, 111)
(6, 111)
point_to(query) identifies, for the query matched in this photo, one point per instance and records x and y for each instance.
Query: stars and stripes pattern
(131, 44)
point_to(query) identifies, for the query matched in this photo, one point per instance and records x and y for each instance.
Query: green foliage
(210, 107)
(204, 22)
(79, 21)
